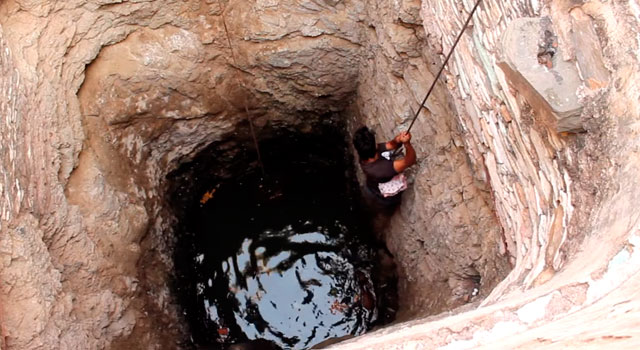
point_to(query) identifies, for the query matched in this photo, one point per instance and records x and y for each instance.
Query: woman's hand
(403, 137)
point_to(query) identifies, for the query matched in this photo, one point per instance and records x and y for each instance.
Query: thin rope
(433, 84)
(246, 102)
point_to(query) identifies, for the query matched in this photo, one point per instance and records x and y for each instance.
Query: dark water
(287, 257)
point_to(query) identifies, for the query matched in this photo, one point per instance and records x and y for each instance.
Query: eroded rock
(83, 237)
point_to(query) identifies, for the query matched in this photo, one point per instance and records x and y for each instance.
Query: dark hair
(365, 143)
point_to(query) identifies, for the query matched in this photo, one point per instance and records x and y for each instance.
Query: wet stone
(284, 260)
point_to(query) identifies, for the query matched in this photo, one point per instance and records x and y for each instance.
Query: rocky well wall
(562, 199)
(100, 99)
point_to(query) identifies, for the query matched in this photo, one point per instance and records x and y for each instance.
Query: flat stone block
(549, 83)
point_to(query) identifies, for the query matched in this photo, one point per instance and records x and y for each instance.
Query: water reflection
(295, 289)
(281, 258)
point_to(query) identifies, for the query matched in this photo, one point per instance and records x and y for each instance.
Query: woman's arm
(391, 145)
(410, 156)
(395, 143)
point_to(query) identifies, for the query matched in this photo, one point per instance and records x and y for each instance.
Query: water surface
(286, 257)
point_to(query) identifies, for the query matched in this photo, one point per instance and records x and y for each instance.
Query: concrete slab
(532, 61)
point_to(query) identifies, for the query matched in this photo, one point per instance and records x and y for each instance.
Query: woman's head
(365, 143)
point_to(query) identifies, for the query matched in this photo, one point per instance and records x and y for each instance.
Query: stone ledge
(547, 82)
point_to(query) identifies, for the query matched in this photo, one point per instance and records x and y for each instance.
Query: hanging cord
(246, 103)
(433, 84)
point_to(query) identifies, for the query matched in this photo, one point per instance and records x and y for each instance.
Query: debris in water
(291, 248)
(207, 196)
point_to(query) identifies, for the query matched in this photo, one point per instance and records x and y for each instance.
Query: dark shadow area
(289, 256)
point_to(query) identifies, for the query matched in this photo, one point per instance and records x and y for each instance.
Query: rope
(413, 121)
(433, 84)
(246, 103)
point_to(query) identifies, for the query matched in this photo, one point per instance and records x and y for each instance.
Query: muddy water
(287, 257)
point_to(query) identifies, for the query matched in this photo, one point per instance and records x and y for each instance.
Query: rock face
(99, 100)
(446, 232)
(560, 204)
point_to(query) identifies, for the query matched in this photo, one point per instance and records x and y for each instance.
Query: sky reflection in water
(296, 297)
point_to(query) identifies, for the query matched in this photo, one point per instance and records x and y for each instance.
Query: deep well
(100, 100)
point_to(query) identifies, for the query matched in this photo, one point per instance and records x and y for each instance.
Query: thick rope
(246, 103)
(446, 60)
